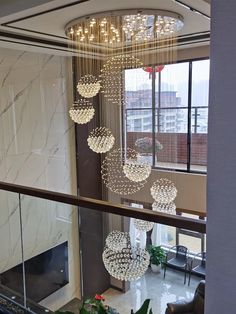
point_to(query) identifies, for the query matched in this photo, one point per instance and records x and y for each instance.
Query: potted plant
(144, 145)
(157, 257)
(96, 306)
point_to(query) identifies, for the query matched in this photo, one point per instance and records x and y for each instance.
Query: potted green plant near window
(157, 257)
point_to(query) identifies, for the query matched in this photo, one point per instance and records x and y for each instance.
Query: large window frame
(154, 109)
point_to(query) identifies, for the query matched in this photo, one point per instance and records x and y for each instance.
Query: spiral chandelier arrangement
(117, 240)
(113, 175)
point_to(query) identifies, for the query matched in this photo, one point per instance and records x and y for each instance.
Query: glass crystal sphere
(163, 191)
(136, 171)
(101, 140)
(82, 112)
(116, 240)
(88, 86)
(129, 264)
(143, 225)
(169, 208)
(112, 80)
(113, 175)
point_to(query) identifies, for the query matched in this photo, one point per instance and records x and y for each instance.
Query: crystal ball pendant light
(128, 264)
(136, 171)
(163, 191)
(88, 86)
(101, 140)
(113, 175)
(116, 240)
(143, 225)
(169, 208)
(82, 111)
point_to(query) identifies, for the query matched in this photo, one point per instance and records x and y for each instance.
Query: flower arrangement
(144, 145)
(96, 306)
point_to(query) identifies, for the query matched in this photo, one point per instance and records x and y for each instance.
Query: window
(169, 109)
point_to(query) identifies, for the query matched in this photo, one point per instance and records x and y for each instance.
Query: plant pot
(156, 268)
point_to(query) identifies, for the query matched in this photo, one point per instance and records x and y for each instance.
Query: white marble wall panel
(37, 149)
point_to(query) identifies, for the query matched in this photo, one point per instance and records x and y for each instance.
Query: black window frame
(154, 109)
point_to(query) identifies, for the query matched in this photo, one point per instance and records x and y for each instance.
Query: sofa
(196, 306)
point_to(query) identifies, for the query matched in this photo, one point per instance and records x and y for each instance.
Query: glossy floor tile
(154, 287)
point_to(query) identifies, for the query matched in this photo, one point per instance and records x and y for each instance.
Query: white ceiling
(50, 20)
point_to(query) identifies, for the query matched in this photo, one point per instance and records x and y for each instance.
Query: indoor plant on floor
(157, 257)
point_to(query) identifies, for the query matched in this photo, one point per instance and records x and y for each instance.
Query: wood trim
(103, 206)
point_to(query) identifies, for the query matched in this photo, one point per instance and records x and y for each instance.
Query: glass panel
(171, 138)
(199, 114)
(11, 270)
(51, 252)
(138, 89)
(172, 117)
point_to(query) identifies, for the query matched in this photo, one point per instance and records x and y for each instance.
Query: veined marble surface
(37, 149)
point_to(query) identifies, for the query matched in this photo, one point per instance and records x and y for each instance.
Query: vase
(156, 268)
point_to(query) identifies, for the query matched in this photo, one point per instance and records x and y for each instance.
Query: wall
(37, 150)
(221, 231)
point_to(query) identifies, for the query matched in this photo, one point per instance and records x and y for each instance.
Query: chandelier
(168, 208)
(88, 86)
(116, 240)
(82, 111)
(113, 175)
(101, 140)
(143, 225)
(136, 171)
(124, 26)
(128, 264)
(112, 76)
(163, 191)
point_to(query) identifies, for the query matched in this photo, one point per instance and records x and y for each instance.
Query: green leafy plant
(144, 309)
(157, 254)
(93, 306)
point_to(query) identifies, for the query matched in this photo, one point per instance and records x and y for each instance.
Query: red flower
(99, 297)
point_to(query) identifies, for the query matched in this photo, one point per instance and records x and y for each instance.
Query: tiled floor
(152, 286)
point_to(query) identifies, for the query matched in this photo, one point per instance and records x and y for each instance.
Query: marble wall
(37, 149)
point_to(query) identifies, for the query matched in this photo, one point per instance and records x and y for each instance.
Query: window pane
(172, 123)
(138, 89)
(199, 115)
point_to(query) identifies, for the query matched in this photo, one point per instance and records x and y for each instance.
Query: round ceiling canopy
(124, 26)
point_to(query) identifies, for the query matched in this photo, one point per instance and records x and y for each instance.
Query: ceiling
(42, 26)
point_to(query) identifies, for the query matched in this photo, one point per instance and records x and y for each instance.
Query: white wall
(37, 150)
